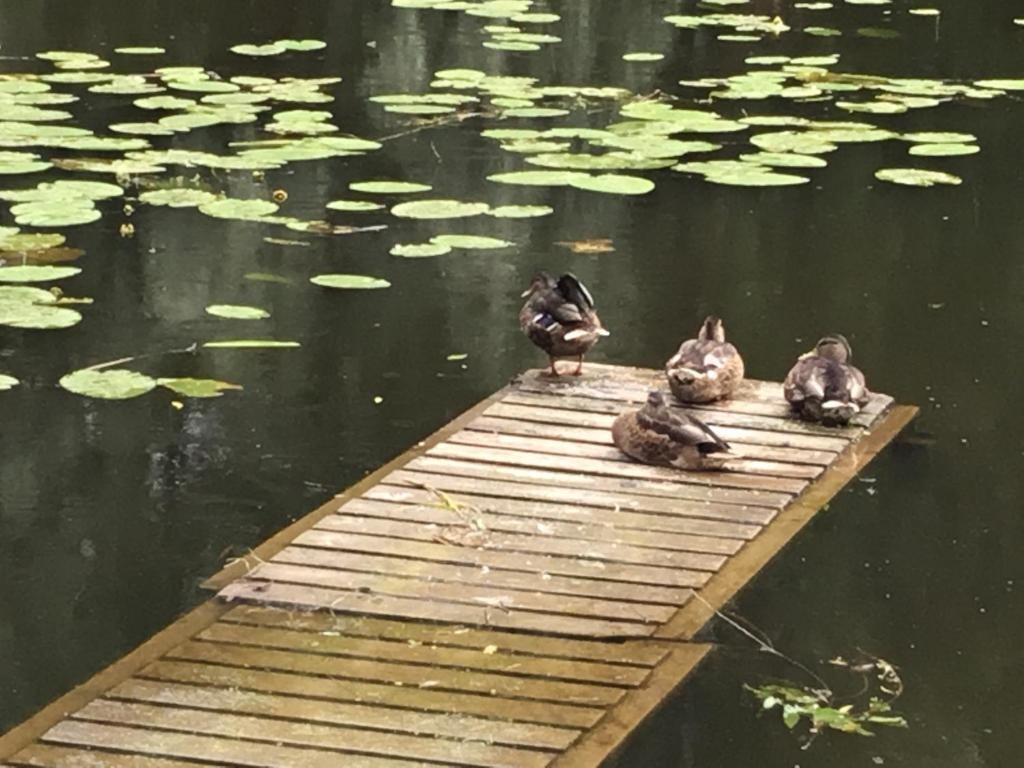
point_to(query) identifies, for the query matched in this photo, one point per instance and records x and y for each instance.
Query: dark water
(111, 513)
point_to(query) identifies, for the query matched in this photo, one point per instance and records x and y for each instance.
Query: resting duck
(707, 368)
(559, 318)
(656, 435)
(823, 386)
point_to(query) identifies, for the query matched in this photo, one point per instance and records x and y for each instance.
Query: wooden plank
(602, 741)
(619, 519)
(572, 496)
(493, 577)
(414, 608)
(753, 443)
(609, 550)
(787, 462)
(327, 689)
(456, 680)
(604, 421)
(755, 556)
(499, 661)
(587, 482)
(385, 719)
(343, 740)
(631, 653)
(218, 750)
(54, 756)
(713, 418)
(463, 592)
(485, 521)
(571, 566)
(739, 474)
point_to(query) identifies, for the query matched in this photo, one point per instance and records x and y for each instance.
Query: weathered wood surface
(525, 516)
(511, 592)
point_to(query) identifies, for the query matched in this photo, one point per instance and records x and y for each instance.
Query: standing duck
(656, 435)
(707, 368)
(559, 317)
(823, 386)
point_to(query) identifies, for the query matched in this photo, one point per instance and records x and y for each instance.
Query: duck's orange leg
(554, 370)
(579, 367)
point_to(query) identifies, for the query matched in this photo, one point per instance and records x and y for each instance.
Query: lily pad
(520, 211)
(614, 184)
(24, 307)
(36, 274)
(7, 382)
(420, 250)
(916, 177)
(388, 187)
(177, 197)
(197, 387)
(140, 50)
(301, 45)
(439, 209)
(29, 241)
(349, 281)
(792, 141)
(944, 150)
(470, 242)
(940, 137)
(112, 384)
(238, 209)
(237, 312)
(784, 160)
(538, 178)
(355, 206)
(268, 49)
(55, 213)
(251, 344)
(755, 177)
(643, 56)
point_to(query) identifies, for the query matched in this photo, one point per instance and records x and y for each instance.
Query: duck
(559, 317)
(706, 368)
(656, 435)
(823, 386)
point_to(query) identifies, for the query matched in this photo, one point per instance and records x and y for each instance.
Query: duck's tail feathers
(579, 333)
(602, 332)
(712, 329)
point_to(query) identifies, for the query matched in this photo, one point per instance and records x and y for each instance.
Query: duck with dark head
(706, 368)
(656, 435)
(823, 385)
(559, 317)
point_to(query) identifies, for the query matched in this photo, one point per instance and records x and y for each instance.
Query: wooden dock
(510, 592)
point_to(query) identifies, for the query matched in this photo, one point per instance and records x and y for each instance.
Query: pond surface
(112, 512)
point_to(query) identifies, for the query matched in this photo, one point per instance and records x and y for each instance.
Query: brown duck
(706, 368)
(559, 317)
(823, 386)
(656, 435)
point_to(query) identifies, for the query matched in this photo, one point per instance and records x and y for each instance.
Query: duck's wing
(806, 379)
(689, 430)
(856, 386)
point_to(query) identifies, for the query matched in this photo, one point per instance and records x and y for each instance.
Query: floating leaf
(784, 160)
(237, 312)
(438, 209)
(520, 211)
(251, 344)
(916, 177)
(349, 281)
(643, 56)
(266, 277)
(268, 49)
(754, 176)
(455, 358)
(113, 384)
(944, 150)
(23, 307)
(238, 209)
(420, 250)
(791, 141)
(614, 184)
(197, 387)
(538, 178)
(36, 274)
(354, 205)
(29, 241)
(388, 187)
(940, 137)
(8, 382)
(177, 197)
(139, 50)
(470, 242)
(301, 45)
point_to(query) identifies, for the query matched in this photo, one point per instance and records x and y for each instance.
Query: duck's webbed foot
(579, 366)
(554, 368)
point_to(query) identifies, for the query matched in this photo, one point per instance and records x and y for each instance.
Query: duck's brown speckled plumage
(706, 368)
(559, 317)
(823, 385)
(656, 435)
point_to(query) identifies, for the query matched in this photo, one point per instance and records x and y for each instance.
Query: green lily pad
(519, 211)
(29, 241)
(784, 160)
(36, 274)
(251, 344)
(643, 56)
(1001, 84)
(944, 150)
(237, 312)
(197, 387)
(755, 177)
(470, 242)
(7, 382)
(113, 384)
(177, 197)
(140, 50)
(268, 49)
(24, 307)
(916, 177)
(17, 163)
(100, 165)
(349, 281)
(55, 213)
(419, 250)
(301, 45)
(164, 102)
(940, 137)
(419, 109)
(792, 141)
(238, 209)
(614, 184)
(438, 209)
(388, 187)
(538, 178)
(534, 112)
(355, 206)
(142, 129)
